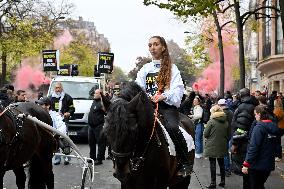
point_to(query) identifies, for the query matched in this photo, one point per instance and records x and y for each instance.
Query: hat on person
(9, 87)
(43, 100)
(222, 101)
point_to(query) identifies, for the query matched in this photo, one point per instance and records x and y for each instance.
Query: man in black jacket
(62, 103)
(241, 124)
(96, 122)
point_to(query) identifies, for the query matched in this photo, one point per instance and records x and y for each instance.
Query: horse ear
(133, 103)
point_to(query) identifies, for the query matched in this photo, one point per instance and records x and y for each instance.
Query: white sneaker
(277, 159)
(198, 156)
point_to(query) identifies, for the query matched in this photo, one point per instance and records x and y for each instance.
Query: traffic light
(96, 72)
(74, 70)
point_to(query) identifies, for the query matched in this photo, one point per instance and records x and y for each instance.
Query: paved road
(69, 177)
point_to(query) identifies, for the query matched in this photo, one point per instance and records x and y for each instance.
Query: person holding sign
(162, 82)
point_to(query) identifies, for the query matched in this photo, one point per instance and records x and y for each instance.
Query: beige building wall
(271, 67)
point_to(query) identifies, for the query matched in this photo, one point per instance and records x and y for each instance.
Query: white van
(80, 89)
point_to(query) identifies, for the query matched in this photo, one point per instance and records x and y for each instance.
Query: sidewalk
(279, 166)
(202, 175)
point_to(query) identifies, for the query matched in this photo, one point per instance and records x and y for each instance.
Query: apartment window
(267, 30)
(279, 32)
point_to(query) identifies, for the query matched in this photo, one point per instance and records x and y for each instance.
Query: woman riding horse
(140, 149)
(162, 81)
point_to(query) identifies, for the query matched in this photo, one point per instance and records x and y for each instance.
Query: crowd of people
(241, 131)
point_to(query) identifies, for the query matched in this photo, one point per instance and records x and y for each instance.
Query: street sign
(50, 60)
(64, 70)
(105, 62)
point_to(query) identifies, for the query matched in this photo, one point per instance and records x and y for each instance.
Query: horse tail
(36, 180)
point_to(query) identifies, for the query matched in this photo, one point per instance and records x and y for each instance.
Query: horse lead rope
(155, 119)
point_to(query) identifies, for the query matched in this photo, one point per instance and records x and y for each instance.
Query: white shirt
(150, 71)
(197, 112)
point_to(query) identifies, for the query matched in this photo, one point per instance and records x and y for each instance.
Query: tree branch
(223, 11)
(227, 23)
(246, 15)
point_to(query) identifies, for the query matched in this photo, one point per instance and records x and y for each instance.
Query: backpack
(205, 115)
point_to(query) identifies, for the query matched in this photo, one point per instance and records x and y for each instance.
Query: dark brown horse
(22, 141)
(141, 162)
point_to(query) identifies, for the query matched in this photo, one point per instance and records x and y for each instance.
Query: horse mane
(117, 126)
(130, 90)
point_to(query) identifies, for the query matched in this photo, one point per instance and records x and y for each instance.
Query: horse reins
(3, 112)
(142, 157)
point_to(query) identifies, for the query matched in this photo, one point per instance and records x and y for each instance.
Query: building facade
(76, 27)
(270, 61)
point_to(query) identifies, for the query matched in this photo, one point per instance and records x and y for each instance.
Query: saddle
(188, 138)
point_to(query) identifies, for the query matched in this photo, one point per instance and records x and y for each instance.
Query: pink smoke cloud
(210, 78)
(27, 76)
(63, 40)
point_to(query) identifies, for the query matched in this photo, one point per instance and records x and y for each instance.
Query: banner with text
(50, 60)
(105, 62)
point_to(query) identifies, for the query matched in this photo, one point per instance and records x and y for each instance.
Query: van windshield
(78, 90)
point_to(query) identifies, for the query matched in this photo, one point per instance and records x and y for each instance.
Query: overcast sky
(128, 25)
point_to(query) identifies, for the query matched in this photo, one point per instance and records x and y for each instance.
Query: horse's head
(122, 125)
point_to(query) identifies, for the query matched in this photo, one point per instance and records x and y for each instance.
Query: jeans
(227, 160)
(199, 127)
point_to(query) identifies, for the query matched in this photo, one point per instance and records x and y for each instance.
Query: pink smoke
(28, 76)
(63, 40)
(210, 78)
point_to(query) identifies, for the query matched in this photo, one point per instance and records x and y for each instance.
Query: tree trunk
(4, 67)
(281, 3)
(241, 44)
(221, 53)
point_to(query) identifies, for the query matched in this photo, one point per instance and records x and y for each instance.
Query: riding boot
(213, 173)
(182, 152)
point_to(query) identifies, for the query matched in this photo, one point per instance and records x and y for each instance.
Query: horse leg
(36, 180)
(2, 173)
(49, 175)
(181, 184)
(126, 186)
(20, 177)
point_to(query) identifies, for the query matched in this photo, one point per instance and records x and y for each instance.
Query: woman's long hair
(164, 76)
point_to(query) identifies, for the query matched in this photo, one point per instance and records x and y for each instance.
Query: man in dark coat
(241, 124)
(96, 122)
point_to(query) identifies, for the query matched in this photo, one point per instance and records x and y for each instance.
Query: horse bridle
(136, 162)
(120, 154)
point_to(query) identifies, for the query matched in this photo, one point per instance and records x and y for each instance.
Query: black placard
(50, 60)
(64, 70)
(105, 62)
